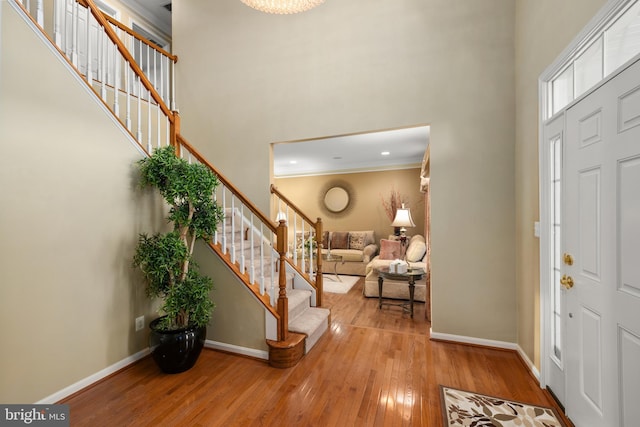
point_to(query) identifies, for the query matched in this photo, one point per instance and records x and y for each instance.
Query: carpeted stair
(303, 318)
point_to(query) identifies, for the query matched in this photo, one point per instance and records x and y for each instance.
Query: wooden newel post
(319, 283)
(283, 302)
(175, 131)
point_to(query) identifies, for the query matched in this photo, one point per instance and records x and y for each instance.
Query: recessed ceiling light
(385, 153)
(293, 162)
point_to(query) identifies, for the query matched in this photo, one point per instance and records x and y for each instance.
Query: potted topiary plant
(177, 337)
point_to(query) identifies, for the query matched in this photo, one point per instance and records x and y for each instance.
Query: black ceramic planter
(176, 351)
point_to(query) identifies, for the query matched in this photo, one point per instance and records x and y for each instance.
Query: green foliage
(161, 258)
(166, 259)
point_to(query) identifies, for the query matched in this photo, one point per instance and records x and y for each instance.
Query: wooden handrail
(274, 190)
(140, 37)
(127, 56)
(271, 224)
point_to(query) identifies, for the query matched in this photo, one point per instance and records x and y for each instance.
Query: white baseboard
(532, 368)
(489, 343)
(230, 348)
(85, 382)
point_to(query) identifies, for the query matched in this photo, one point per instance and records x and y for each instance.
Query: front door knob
(566, 281)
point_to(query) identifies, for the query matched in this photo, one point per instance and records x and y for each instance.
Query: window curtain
(425, 188)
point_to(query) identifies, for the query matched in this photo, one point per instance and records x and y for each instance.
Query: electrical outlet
(139, 323)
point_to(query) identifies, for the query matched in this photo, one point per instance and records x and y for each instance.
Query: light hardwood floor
(373, 368)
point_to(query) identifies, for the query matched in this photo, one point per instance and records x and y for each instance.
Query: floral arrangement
(392, 204)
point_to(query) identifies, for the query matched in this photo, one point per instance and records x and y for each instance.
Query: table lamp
(403, 219)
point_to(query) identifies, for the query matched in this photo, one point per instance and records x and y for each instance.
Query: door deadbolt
(567, 258)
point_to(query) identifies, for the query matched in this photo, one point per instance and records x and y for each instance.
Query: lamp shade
(403, 218)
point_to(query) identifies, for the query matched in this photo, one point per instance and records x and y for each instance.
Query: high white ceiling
(352, 153)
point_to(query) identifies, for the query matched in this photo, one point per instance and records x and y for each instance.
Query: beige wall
(365, 211)
(238, 318)
(248, 79)
(69, 218)
(544, 28)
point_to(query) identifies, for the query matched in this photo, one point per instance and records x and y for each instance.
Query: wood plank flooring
(373, 368)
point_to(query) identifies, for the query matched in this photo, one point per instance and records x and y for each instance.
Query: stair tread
(295, 296)
(310, 320)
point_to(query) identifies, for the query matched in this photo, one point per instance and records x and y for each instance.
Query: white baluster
(147, 71)
(252, 262)
(167, 134)
(103, 65)
(158, 123)
(89, 53)
(127, 83)
(224, 223)
(295, 241)
(163, 93)
(66, 27)
(148, 117)
(215, 233)
(40, 13)
(261, 260)
(74, 34)
(116, 81)
(173, 86)
(155, 70)
(233, 229)
(273, 287)
(57, 39)
(242, 257)
(139, 119)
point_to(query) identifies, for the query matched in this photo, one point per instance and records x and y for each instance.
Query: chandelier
(282, 7)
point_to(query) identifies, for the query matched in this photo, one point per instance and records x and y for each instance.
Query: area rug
(342, 286)
(464, 408)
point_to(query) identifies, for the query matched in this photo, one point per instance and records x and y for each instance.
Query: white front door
(601, 227)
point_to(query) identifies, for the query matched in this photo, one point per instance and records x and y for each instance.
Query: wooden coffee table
(410, 276)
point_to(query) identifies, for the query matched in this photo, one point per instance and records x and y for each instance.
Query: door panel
(591, 358)
(629, 376)
(629, 110)
(629, 228)
(601, 226)
(589, 214)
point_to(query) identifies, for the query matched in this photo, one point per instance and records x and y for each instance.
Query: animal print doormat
(463, 408)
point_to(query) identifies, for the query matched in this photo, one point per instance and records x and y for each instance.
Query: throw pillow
(416, 251)
(325, 239)
(340, 240)
(417, 237)
(390, 249)
(357, 240)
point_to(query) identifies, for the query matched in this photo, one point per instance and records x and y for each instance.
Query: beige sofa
(357, 249)
(416, 257)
